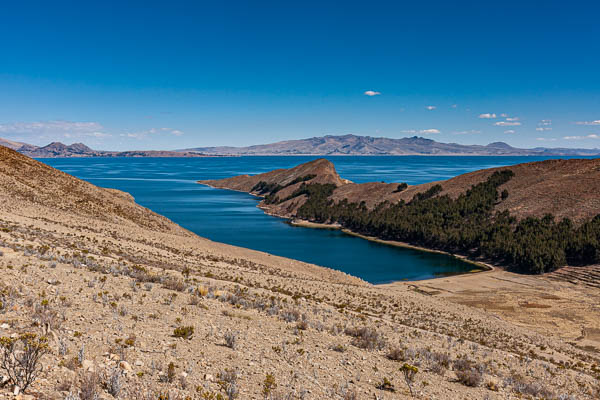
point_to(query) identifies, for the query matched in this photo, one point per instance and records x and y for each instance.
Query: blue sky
(169, 75)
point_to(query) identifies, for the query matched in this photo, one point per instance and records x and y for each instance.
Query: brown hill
(11, 144)
(39, 185)
(564, 188)
(135, 307)
(323, 171)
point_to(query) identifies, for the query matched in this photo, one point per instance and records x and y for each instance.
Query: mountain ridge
(366, 145)
(61, 150)
(328, 145)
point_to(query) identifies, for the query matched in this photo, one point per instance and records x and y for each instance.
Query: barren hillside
(132, 306)
(564, 188)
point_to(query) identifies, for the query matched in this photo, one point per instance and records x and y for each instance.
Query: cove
(168, 187)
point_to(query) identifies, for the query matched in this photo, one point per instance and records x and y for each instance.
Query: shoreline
(481, 267)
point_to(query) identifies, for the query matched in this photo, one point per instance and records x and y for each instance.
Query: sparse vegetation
(409, 372)
(185, 332)
(21, 358)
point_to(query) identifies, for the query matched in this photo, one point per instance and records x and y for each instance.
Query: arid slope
(112, 285)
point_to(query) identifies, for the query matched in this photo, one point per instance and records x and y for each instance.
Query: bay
(168, 187)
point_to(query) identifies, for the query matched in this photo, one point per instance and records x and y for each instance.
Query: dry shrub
(440, 362)
(468, 372)
(396, 354)
(174, 284)
(89, 389)
(366, 338)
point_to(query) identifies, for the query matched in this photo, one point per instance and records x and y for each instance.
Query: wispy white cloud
(507, 123)
(504, 115)
(590, 136)
(510, 131)
(50, 127)
(53, 130)
(431, 108)
(487, 116)
(422, 131)
(544, 125)
(512, 118)
(454, 105)
(596, 122)
(151, 132)
(543, 139)
(469, 132)
(372, 93)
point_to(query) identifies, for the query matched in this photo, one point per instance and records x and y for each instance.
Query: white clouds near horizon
(56, 126)
(588, 123)
(372, 93)
(590, 136)
(487, 116)
(54, 130)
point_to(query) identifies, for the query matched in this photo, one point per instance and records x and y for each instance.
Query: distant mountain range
(366, 145)
(57, 149)
(318, 146)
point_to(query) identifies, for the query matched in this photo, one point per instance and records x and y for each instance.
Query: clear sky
(166, 75)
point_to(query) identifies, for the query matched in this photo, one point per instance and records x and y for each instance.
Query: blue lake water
(168, 186)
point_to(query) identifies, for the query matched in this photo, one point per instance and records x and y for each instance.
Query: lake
(168, 186)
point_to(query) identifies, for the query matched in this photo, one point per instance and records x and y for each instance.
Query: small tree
(21, 358)
(409, 372)
(401, 187)
(504, 194)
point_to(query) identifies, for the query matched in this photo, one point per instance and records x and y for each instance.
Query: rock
(183, 375)
(16, 390)
(124, 365)
(87, 365)
(5, 326)
(209, 377)
(139, 363)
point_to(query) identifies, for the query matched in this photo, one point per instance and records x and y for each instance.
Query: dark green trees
(466, 224)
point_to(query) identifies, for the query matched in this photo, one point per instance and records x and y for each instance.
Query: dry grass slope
(135, 307)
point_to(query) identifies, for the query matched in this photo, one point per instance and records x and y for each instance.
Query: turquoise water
(168, 186)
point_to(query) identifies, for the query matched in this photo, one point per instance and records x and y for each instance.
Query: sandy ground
(110, 284)
(551, 304)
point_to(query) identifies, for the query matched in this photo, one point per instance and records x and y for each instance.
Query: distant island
(344, 145)
(353, 145)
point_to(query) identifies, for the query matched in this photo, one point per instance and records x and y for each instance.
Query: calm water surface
(168, 186)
